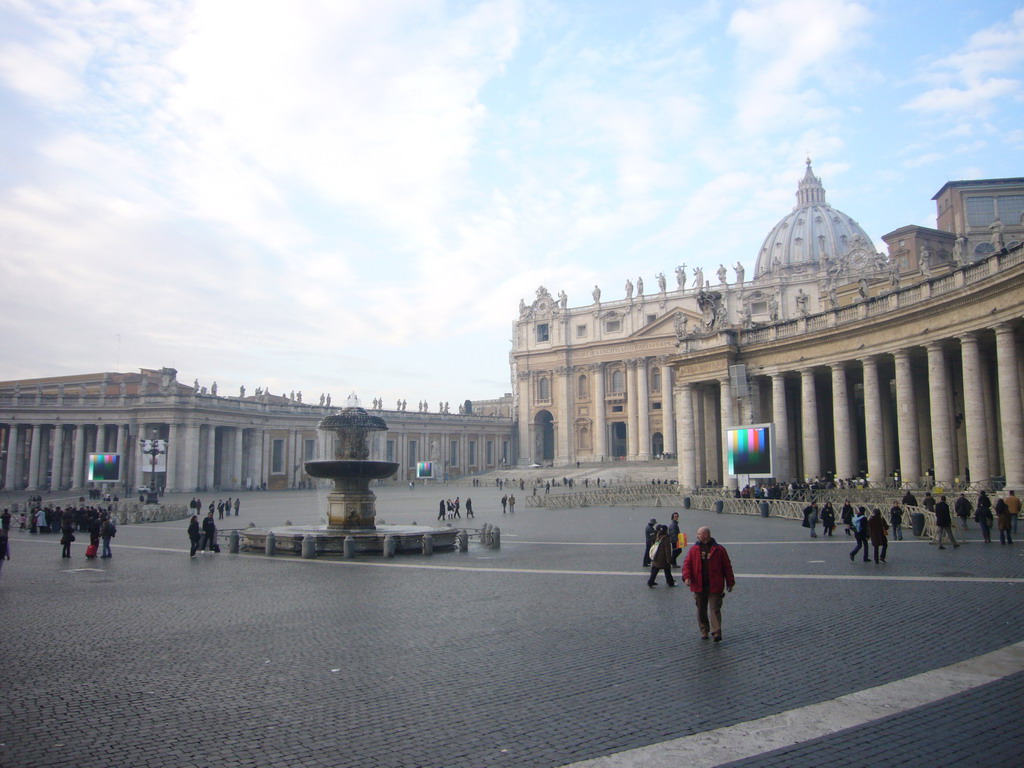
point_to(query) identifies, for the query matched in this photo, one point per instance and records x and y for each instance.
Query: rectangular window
(472, 453)
(308, 450)
(581, 331)
(980, 211)
(542, 331)
(1010, 209)
(453, 453)
(655, 406)
(616, 409)
(277, 457)
(613, 326)
(651, 319)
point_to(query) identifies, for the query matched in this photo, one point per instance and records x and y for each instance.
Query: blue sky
(328, 197)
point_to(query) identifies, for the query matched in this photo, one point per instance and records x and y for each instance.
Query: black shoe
(717, 637)
(941, 547)
(672, 584)
(851, 558)
(650, 585)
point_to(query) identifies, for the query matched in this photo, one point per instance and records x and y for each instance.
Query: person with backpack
(859, 524)
(661, 557)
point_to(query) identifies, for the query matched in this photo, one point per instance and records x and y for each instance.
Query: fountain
(351, 515)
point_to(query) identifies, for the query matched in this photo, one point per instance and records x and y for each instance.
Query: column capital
(563, 370)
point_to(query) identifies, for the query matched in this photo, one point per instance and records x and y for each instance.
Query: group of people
(97, 522)
(707, 570)
(451, 509)
(203, 537)
(221, 506)
(508, 503)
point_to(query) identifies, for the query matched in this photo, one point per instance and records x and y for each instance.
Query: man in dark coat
(707, 571)
(944, 522)
(209, 532)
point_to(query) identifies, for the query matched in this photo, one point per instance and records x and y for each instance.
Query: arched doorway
(544, 437)
(657, 444)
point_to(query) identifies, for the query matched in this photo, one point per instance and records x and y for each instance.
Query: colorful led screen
(425, 470)
(749, 450)
(105, 467)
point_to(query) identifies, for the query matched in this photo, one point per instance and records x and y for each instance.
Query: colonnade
(942, 411)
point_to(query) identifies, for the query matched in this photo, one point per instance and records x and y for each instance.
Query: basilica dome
(814, 233)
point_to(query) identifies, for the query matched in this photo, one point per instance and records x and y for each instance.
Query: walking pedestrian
(193, 535)
(896, 520)
(877, 530)
(828, 519)
(1014, 504)
(944, 522)
(649, 532)
(107, 531)
(238, 505)
(512, 504)
(859, 524)
(5, 546)
(983, 516)
(963, 509)
(673, 538)
(441, 509)
(504, 503)
(846, 515)
(707, 571)
(811, 518)
(660, 555)
(67, 536)
(469, 508)
(1003, 521)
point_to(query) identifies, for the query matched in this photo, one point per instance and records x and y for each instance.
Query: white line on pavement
(743, 740)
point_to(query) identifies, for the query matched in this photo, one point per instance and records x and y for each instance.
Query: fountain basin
(331, 540)
(346, 469)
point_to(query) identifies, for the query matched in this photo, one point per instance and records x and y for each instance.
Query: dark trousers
(195, 546)
(862, 541)
(668, 575)
(877, 547)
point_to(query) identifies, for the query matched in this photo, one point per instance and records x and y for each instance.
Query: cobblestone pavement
(546, 652)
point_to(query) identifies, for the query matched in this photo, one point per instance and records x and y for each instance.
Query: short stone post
(348, 547)
(308, 546)
(463, 537)
(271, 544)
(233, 542)
(495, 537)
(428, 544)
(389, 546)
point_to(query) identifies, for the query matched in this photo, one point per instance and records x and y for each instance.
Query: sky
(330, 196)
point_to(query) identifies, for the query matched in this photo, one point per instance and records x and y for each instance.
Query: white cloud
(972, 81)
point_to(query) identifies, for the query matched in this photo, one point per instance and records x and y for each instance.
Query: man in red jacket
(708, 573)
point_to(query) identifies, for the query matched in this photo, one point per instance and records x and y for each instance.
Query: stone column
(171, 458)
(643, 447)
(706, 415)
(78, 457)
(525, 417)
(210, 464)
(600, 422)
(33, 458)
(728, 417)
(781, 418)
(975, 415)
(236, 463)
(873, 423)
(10, 475)
(632, 410)
(57, 465)
(565, 448)
(687, 439)
(906, 419)
(1010, 413)
(668, 409)
(188, 436)
(943, 445)
(844, 445)
(809, 418)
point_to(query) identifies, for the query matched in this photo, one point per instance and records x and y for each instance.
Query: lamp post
(152, 448)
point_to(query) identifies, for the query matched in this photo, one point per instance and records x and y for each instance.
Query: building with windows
(50, 426)
(900, 366)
